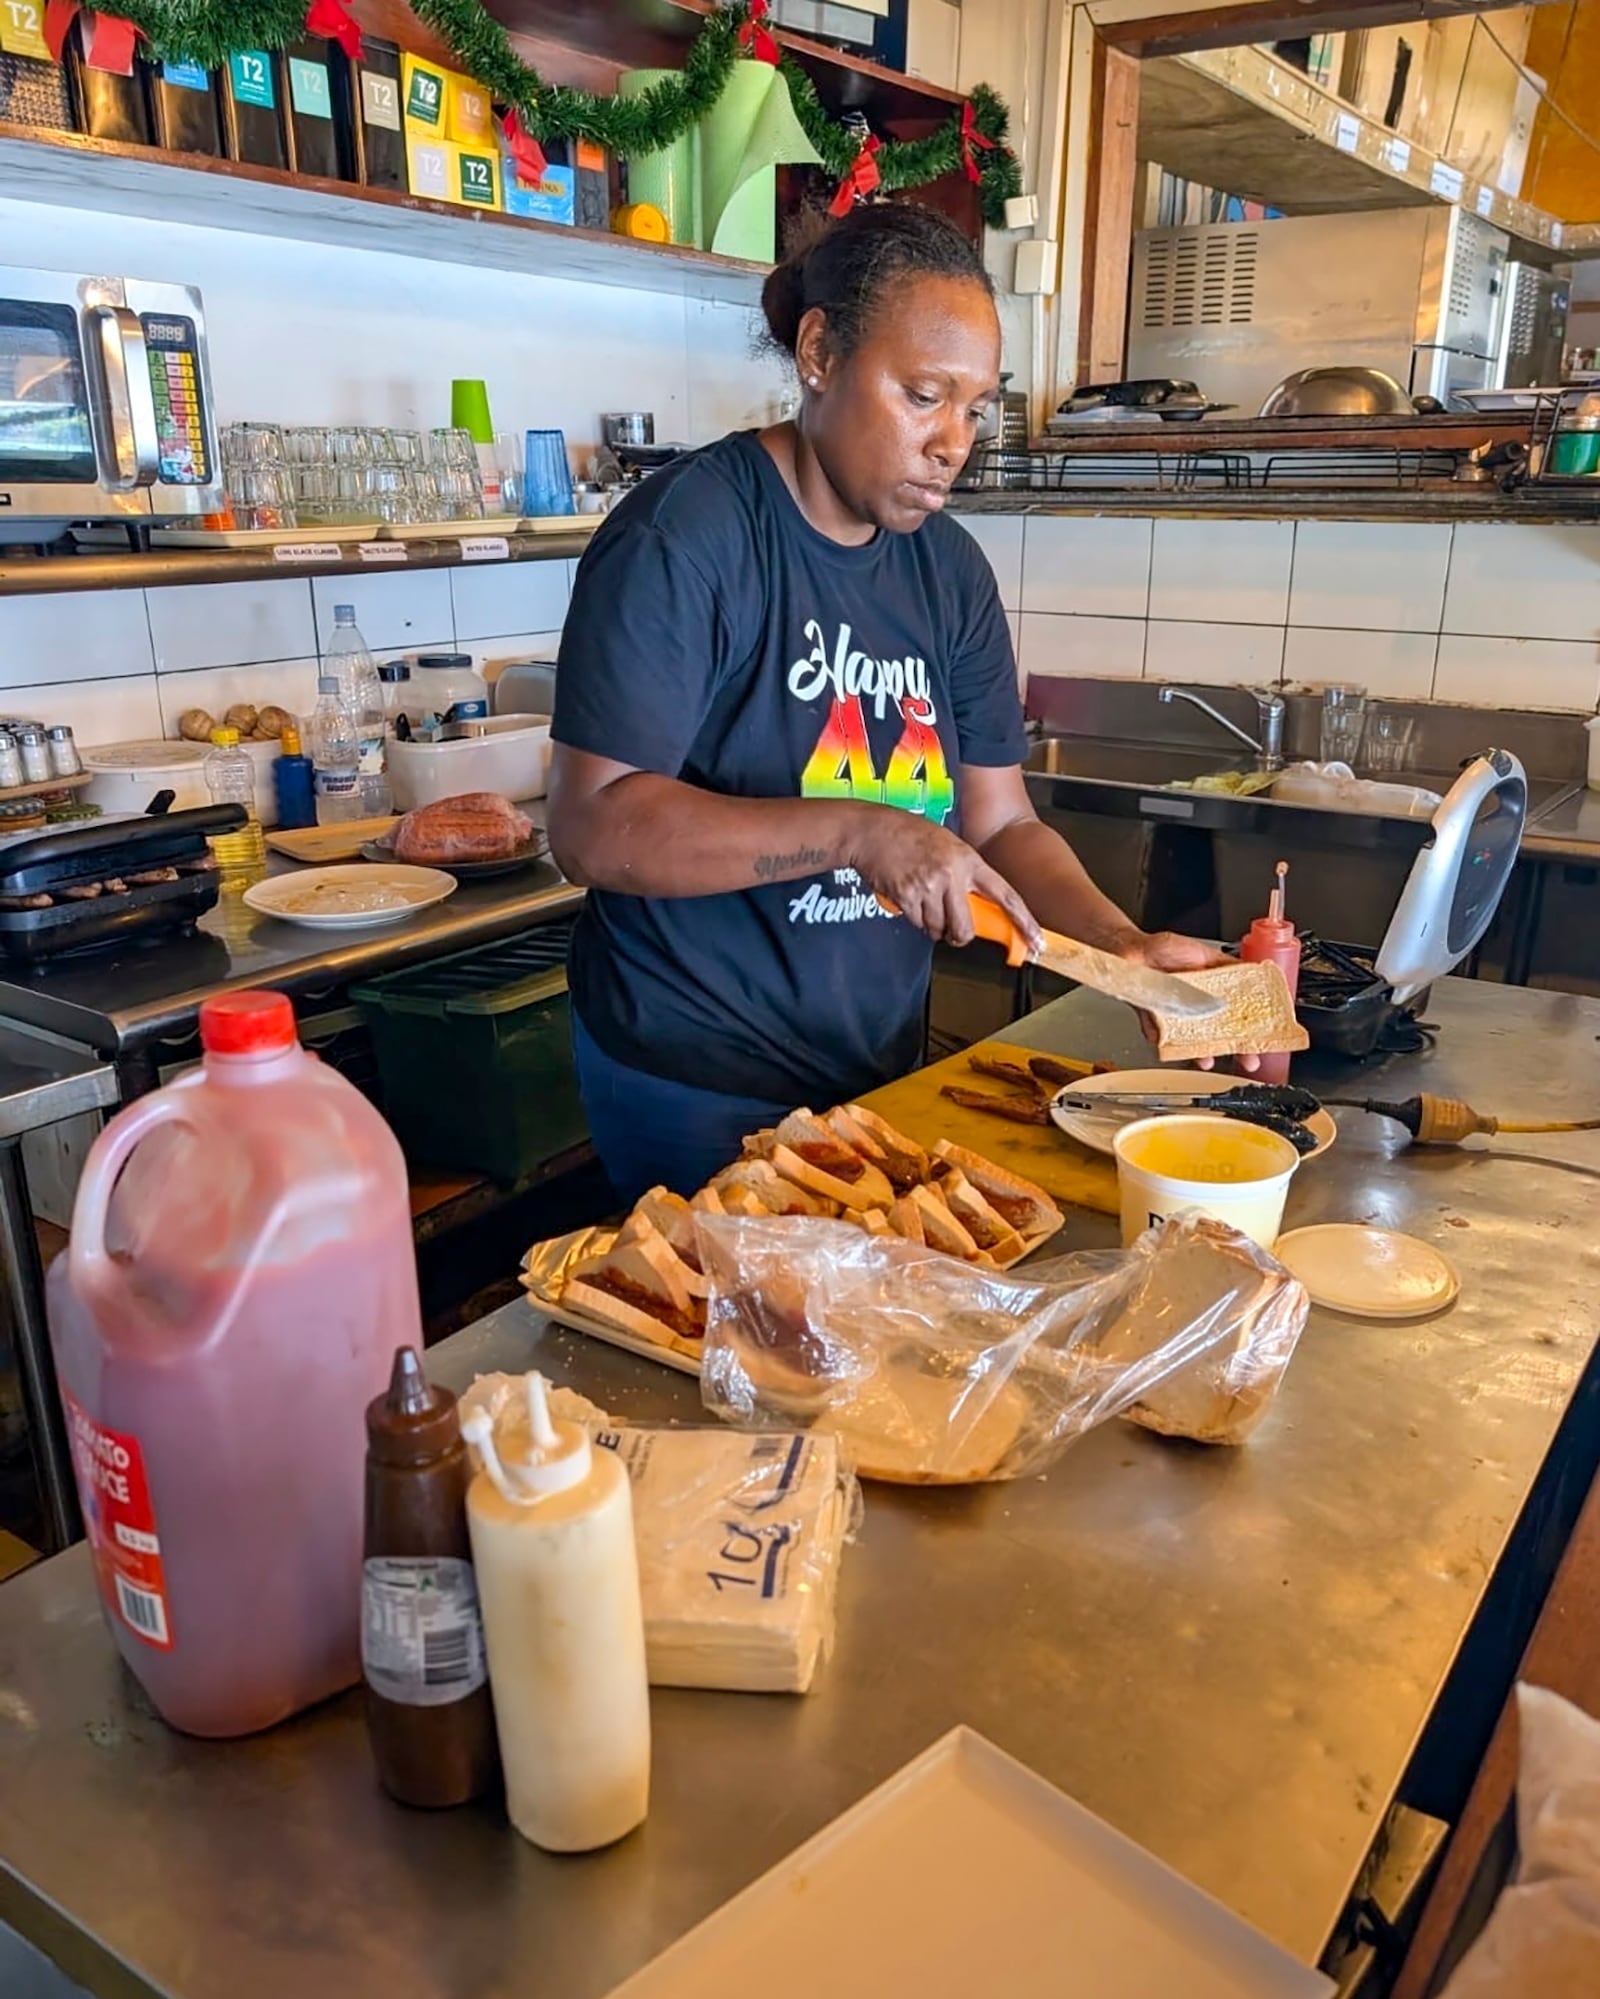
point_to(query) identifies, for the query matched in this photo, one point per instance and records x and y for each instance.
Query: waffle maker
(1355, 1002)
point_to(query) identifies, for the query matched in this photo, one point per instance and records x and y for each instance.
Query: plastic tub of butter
(1216, 1166)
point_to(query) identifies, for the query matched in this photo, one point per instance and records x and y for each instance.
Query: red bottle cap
(247, 1024)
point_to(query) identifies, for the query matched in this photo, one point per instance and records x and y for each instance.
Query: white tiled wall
(124, 664)
(1488, 614)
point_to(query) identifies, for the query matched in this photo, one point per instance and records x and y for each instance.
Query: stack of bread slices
(848, 1165)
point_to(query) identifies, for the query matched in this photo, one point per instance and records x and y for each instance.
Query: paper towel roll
(670, 179)
(749, 131)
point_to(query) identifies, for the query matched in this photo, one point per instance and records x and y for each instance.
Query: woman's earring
(813, 381)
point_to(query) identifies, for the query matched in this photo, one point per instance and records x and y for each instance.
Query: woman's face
(891, 424)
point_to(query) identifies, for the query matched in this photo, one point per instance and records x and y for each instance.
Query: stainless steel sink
(1147, 764)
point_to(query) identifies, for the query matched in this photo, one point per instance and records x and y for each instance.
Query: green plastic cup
(469, 411)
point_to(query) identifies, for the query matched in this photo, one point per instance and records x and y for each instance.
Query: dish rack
(1191, 469)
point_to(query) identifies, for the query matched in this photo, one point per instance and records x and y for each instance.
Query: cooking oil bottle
(231, 780)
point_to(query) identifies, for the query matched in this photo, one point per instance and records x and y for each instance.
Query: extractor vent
(1199, 277)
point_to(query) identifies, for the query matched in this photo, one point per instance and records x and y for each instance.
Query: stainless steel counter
(118, 999)
(1229, 1654)
(1568, 829)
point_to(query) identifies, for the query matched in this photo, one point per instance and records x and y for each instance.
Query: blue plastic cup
(547, 486)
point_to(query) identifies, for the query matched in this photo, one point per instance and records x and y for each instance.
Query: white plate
(1369, 1273)
(966, 1876)
(350, 898)
(559, 523)
(1097, 1132)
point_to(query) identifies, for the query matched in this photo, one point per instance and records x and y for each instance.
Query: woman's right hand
(928, 873)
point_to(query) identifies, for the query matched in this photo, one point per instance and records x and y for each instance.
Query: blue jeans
(653, 1133)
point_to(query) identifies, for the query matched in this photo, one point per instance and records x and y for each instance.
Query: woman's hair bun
(846, 268)
(783, 301)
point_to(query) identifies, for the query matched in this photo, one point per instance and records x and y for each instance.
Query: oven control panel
(174, 350)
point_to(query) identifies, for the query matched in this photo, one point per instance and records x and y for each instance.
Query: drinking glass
(262, 496)
(1388, 743)
(253, 444)
(547, 485)
(1344, 712)
(508, 458)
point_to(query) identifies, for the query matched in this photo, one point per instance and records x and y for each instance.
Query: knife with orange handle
(1139, 985)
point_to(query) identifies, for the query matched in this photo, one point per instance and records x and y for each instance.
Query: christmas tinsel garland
(209, 31)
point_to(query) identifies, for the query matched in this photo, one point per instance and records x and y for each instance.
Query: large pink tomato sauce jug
(239, 1275)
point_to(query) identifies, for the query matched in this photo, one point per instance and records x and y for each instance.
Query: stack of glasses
(349, 475)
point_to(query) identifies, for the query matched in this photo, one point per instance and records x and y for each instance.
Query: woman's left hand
(1167, 951)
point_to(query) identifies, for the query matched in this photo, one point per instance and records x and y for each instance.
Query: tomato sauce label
(121, 1525)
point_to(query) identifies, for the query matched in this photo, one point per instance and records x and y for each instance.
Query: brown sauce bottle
(429, 1716)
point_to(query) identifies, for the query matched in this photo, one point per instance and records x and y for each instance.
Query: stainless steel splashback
(1236, 306)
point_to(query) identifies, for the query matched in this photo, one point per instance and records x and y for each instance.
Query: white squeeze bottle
(551, 1521)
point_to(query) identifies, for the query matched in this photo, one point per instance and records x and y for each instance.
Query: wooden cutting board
(1067, 1171)
(325, 845)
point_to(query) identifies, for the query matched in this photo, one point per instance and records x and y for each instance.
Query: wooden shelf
(47, 575)
(63, 169)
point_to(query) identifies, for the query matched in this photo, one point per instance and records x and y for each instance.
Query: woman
(786, 691)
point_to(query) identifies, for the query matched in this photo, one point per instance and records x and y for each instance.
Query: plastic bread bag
(739, 1540)
(931, 1370)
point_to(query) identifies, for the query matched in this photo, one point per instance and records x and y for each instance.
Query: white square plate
(967, 1874)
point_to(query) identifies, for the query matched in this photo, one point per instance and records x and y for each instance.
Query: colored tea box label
(380, 101)
(430, 169)
(22, 28)
(552, 198)
(251, 74)
(469, 115)
(477, 178)
(185, 76)
(424, 86)
(309, 91)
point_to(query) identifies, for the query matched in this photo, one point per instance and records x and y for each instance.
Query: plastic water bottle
(348, 656)
(336, 757)
(231, 779)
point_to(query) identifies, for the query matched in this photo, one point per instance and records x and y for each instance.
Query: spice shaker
(429, 1716)
(35, 754)
(10, 762)
(64, 758)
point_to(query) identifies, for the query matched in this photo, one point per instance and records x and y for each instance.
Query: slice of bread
(904, 1161)
(810, 1139)
(940, 1229)
(643, 1261)
(758, 1180)
(674, 1217)
(1027, 1208)
(905, 1218)
(988, 1228)
(640, 1229)
(1258, 1017)
(869, 1190)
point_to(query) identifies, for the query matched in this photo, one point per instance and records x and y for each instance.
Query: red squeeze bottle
(1273, 936)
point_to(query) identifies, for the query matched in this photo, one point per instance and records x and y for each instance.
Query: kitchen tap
(1269, 750)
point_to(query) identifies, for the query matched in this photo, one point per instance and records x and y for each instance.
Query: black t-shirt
(715, 636)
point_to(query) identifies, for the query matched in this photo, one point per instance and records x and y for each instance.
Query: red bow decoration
(525, 149)
(59, 16)
(109, 41)
(333, 21)
(970, 137)
(756, 40)
(861, 180)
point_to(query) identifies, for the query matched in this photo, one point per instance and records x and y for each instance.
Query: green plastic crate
(475, 1055)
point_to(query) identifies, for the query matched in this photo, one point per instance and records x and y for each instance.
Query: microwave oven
(105, 403)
